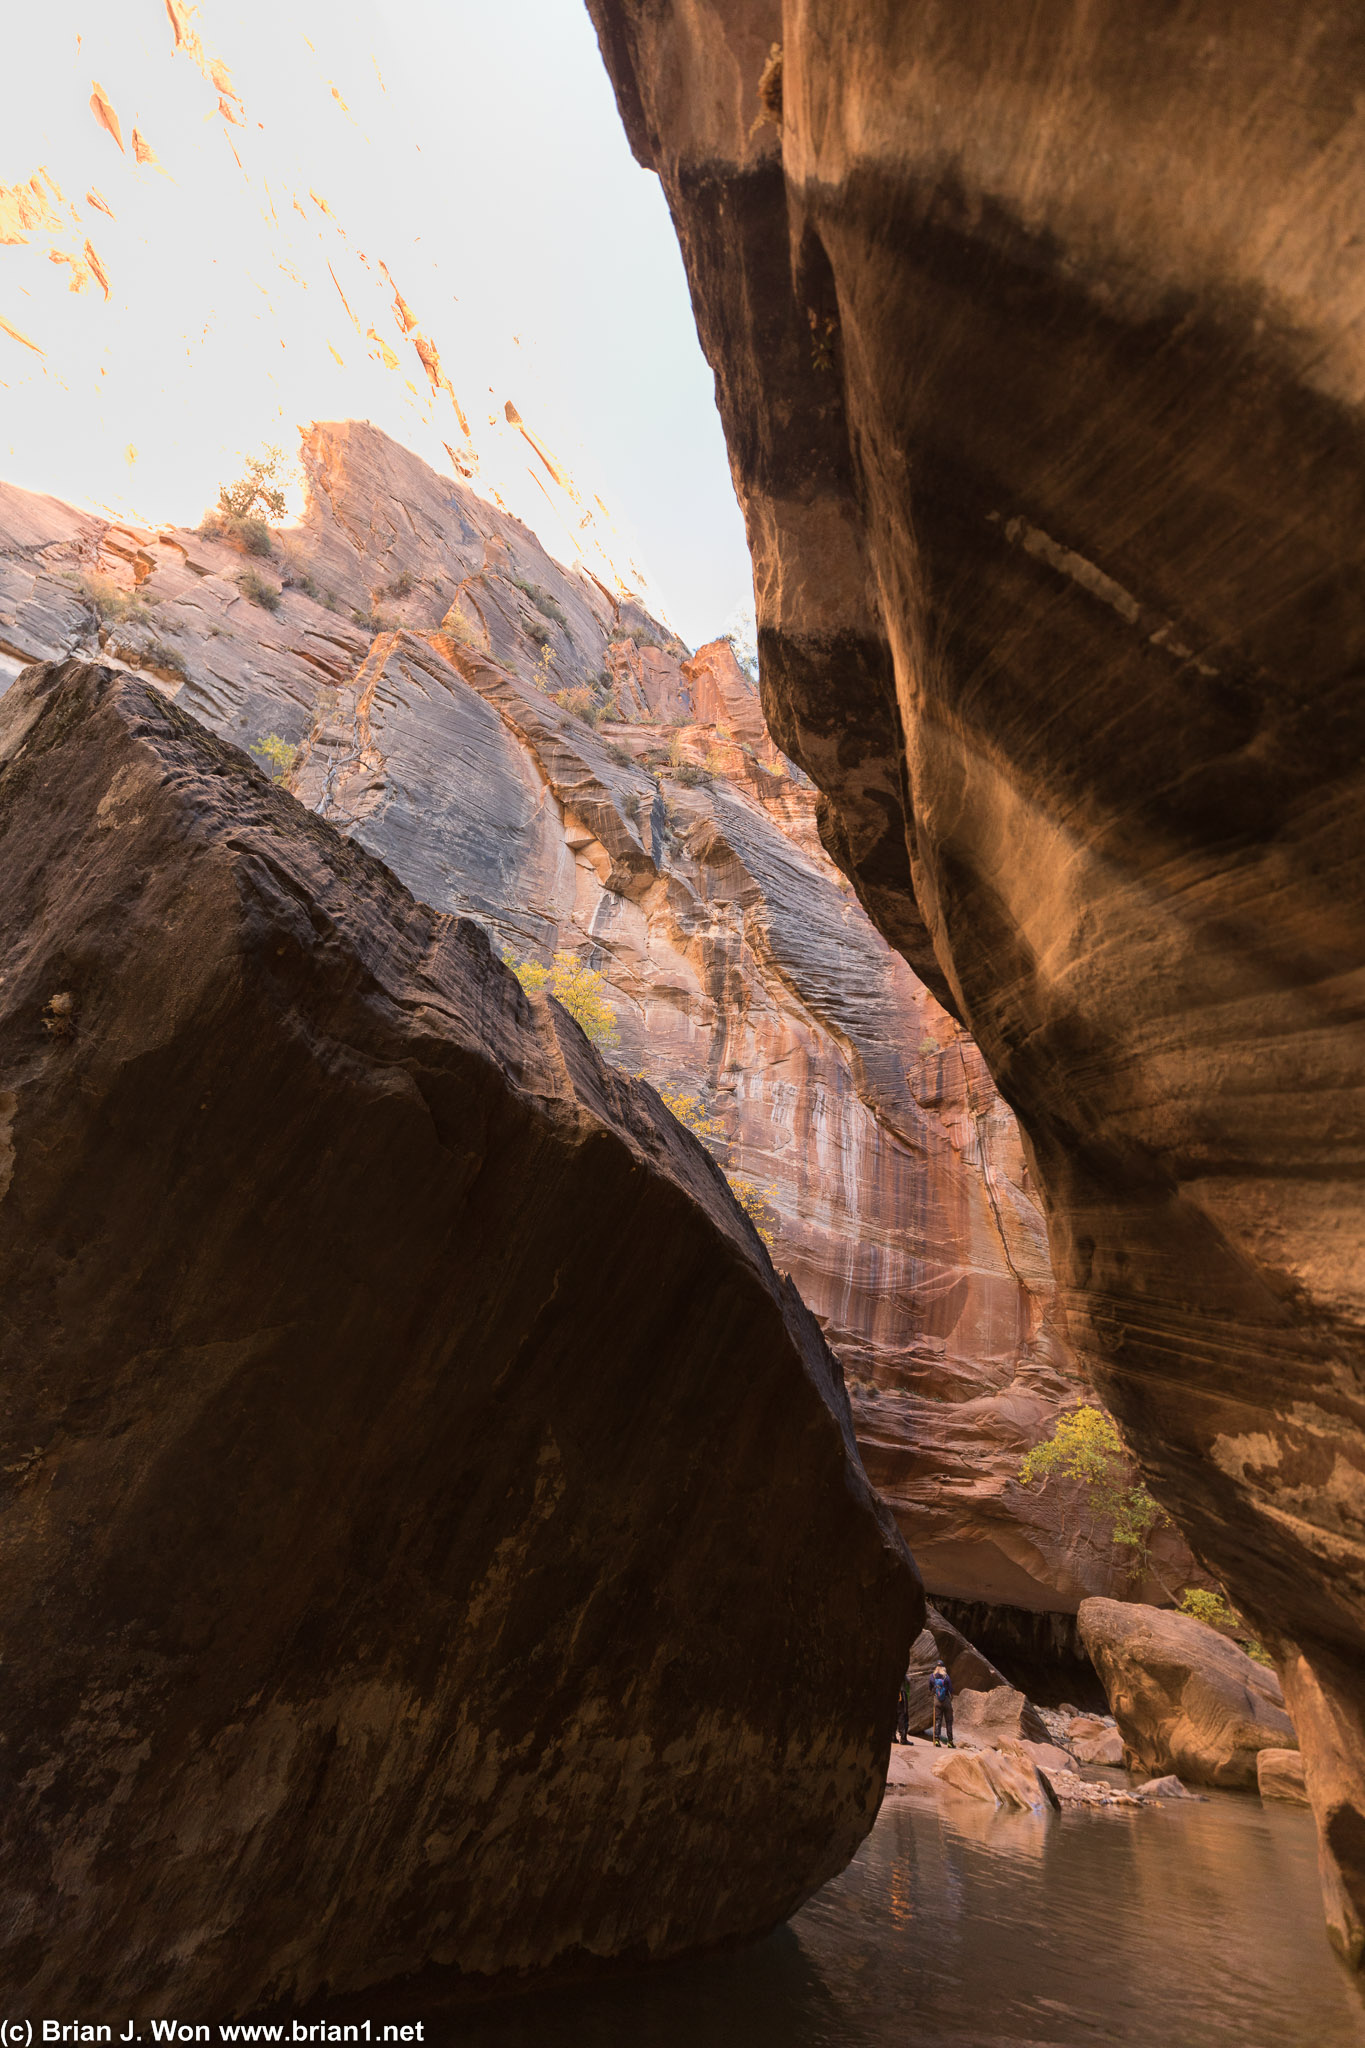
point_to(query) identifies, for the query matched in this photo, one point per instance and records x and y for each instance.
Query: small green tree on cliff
(246, 506)
(1086, 1447)
(259, 491)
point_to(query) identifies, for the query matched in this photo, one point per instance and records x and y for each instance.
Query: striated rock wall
(395, 1583)
(1037, 342)
(414, 658)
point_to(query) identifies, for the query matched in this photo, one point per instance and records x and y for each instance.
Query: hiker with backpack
(942, 1688)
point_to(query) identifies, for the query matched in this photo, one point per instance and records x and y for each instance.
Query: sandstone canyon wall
(420, 642)
(1037, 339)
(395, 1584)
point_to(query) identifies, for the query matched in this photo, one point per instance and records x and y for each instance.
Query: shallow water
(1163, 1927)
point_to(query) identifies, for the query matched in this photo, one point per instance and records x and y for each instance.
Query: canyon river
(1166, 1928)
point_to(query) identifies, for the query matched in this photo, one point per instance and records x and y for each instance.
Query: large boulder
(1186, 1699)
(1037, 343)
(1003, 1780)
(433, 1534)
(1003, 1714)
(1280, 1775)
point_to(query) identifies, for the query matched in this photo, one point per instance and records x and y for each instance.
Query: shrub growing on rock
(159, 655)
(542, 601)
(756, 1202)
(259, 589)
(277, 752)
(1086, 1447)
(580, 702)
(578, 988)
(113, 604)
(1217, 1611)
(246, 507)
(260, 491)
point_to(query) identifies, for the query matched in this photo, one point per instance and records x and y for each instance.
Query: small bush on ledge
(578, 988)
(259, 590)
(278, 753)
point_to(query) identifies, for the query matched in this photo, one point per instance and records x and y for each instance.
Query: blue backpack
(943, 1686)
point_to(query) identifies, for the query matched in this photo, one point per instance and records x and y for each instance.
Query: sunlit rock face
(434, 1534)
(674, 849)
(1037, 342)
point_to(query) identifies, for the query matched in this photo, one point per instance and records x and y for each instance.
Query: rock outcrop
(1280, 1775)
(1094, 1742)
(1186, 1699)
(394, 1581)
(1001, 1715)
(991, 1775)
(436, 673)
(1037, 345)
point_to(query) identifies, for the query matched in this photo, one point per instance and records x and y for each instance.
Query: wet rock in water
(1067, 626)
(1048, 1757)
(436, 1540)
(988, 1774)
(1280, 1775)
(1163, 1788)
(1001, 1715)
(1186, 1699)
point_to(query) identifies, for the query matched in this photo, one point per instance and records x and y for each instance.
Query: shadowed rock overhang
(1036, 335)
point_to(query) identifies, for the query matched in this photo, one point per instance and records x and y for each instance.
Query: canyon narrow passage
(681, 1310)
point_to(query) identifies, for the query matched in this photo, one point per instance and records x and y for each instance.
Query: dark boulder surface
(434, 1539)
(1036, 334)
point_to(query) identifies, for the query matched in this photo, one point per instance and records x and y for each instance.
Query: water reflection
(1186, 1925)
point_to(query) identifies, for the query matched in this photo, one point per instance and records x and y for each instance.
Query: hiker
(943, 1705)
(903, 1711)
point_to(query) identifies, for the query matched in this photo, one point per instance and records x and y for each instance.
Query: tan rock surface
(1164, 1788)
(1047, 1756)
(1280, 1775)
(1037, 340)
(1186, 1699)
(991, 1775)
(1001, 1715)
(1105, 1746)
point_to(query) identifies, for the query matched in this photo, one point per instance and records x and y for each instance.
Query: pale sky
(288, 152)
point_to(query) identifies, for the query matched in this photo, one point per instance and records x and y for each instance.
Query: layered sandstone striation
(1036, 334)
(437, 673)
(394, 1582)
